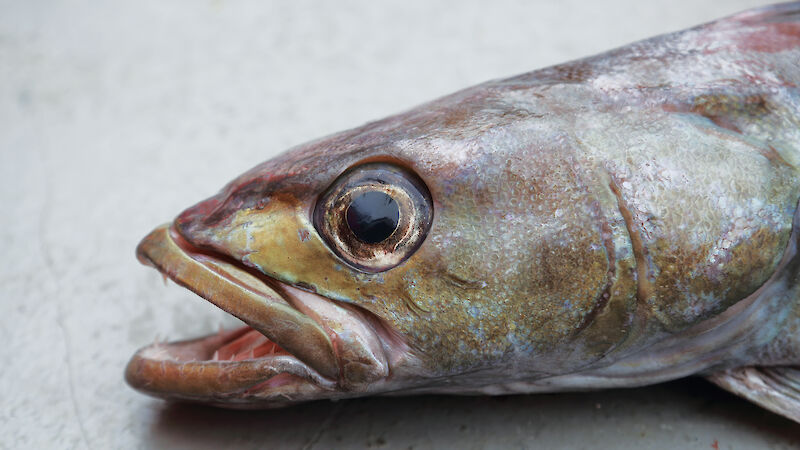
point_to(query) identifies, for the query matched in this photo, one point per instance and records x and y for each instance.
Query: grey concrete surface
(115, 115)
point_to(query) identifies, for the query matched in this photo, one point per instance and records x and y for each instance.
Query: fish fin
(774, 388)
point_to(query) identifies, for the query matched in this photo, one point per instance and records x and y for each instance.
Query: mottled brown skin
(582, 213)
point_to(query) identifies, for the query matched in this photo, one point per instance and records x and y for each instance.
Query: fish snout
(196, 223)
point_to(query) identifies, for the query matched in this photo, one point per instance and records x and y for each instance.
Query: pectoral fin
(774, 388)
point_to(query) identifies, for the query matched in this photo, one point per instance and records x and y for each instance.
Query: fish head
(409, 253)
(615, 221)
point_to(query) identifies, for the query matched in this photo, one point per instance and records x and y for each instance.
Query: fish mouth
(297, 345)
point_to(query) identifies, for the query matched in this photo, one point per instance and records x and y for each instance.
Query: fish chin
(297, 346)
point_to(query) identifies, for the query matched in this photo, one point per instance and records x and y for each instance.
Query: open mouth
(292, 349)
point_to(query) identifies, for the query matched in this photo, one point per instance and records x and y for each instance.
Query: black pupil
(373, 216)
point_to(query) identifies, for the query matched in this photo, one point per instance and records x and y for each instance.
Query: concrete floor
(115, 115)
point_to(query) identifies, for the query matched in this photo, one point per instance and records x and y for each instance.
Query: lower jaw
(237, 368)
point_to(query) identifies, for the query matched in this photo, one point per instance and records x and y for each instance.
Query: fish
(616, 221)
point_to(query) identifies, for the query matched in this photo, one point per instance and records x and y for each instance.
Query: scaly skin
(590, 219)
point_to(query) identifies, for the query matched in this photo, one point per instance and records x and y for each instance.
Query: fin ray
(774, 388)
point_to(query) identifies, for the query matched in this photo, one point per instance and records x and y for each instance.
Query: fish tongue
(240, 346)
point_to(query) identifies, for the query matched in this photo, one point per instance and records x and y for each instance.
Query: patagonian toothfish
(616, 221)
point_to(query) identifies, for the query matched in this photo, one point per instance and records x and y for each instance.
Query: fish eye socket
(374, 216)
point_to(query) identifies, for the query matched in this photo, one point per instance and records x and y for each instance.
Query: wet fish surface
(615, 221)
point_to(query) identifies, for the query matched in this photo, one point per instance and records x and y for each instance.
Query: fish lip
(178, 370)
(182, 371)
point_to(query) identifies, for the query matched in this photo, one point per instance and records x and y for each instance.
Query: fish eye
(374, 216)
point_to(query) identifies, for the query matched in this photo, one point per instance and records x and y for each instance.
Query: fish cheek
(581, 307)
(281, 241)
(500, 288)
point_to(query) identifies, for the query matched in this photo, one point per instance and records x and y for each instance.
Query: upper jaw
(325, 348)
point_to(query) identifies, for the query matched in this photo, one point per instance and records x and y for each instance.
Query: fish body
(616, 221)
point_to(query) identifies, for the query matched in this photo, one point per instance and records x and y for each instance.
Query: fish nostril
(193, 223)
(198, 216)
(186, 222)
